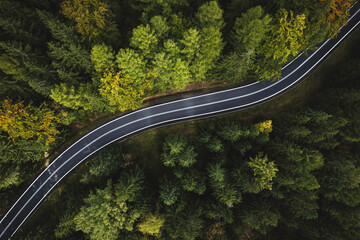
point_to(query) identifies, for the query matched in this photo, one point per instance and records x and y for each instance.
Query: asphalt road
(170, 112)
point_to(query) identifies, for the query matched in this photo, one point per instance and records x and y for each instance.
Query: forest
(295, 176)
(65, 62)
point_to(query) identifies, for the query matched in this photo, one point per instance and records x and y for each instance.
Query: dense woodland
(63, 62)
(296, 176)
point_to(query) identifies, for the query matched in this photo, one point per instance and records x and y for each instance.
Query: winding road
(170, 112)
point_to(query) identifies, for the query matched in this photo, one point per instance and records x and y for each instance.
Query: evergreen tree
(169, 191)
(178, 152)
(83, 97)
(118, 206)
(264, 171)
(107, 162)
(260, 216)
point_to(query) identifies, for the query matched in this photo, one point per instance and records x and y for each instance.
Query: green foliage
(20, 22)
(190, 43)
(108, 162)
(193, 181)
(234, 67)
(21, 150)
(264, 171)
(173, 50)
(251, 29)
(83, 97)
(170, 72)
(184, 222)
(232, 131)
(341, 179)
(9, 176)
(216, 173)
(151, 224)
(249, 32)
(132, 63)
(178, 152)
(65, 226)
(169, 192)
(285, 39)
(118, 206)
(159, 24)
(210, 14)
(144, 39)
(219, 212)
(223, 189)
(70, 56)
(122, 92)
(23, 64)
(260, 216)
(303, 204)
(210, 48)
(227, 194)
(102, 56)
(295, 166)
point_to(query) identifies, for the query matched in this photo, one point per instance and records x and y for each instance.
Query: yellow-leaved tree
(90, 15)
(337, 15)
(28, 122)
(264, 127)
(122, 92)
(285, 39)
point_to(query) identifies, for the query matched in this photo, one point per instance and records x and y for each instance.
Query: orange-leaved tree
(28, 122)
(337, 15)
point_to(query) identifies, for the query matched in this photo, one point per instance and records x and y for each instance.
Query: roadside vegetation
(63, 63)
(294, 175)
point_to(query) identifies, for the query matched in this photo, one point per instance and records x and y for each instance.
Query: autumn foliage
(28, 122)
(337, 15)
(264, 127)
(337, 9)
(89, 15)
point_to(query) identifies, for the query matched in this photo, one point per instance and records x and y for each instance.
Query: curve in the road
(146, 118)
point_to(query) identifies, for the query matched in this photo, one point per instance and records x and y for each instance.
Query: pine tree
(260, 216)
(169, 191)
(118, 206)
(264, 171)
(83, 97)
(107, 162)
(178, 152)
